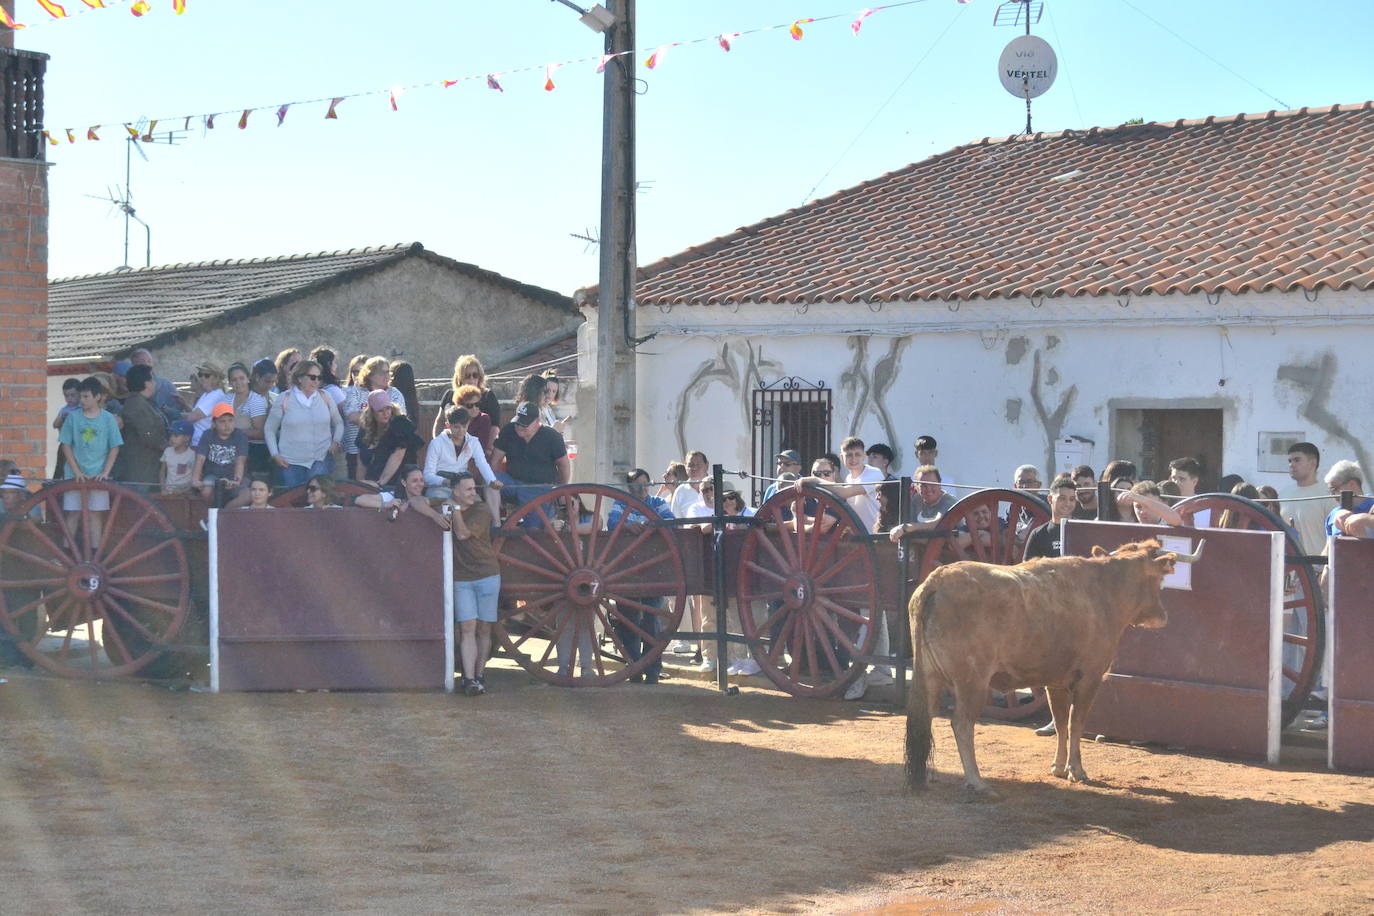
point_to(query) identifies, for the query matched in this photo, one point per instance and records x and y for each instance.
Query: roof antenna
(1028, 64)
(124, 200)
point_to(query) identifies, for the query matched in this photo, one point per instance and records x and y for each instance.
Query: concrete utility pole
(615, 361)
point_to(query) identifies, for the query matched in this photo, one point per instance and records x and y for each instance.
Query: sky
(506, 179)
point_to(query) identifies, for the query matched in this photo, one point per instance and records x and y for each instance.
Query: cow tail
(919, 742)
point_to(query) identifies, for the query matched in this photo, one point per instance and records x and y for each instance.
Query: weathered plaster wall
(417, 310)
(997, 384)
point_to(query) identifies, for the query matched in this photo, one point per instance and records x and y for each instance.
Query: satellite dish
(1027, 66)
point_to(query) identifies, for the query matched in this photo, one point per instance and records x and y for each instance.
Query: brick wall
(23, 313)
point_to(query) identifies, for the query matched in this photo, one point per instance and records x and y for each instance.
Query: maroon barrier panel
(333, 598)
(1350, 647)
(1208, 679)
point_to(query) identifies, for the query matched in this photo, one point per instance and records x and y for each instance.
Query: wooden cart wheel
(114, 572)
(1005, 517)
(1304, 626)
(579, 589)
(808, 593)
(294, 498)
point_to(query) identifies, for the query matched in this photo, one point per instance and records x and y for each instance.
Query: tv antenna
(590, 236)
(124, 200)
(1028, 64)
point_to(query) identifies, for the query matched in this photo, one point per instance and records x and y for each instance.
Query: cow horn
(1191, 557)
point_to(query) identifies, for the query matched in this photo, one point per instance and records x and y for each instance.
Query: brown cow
(1052, 623)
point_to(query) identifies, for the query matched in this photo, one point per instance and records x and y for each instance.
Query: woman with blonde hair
(210, 381)
(467, 370)
(387, 439)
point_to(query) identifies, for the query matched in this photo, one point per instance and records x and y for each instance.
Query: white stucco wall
(956, 371)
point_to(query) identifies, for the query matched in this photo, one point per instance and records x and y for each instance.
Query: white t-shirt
(865, 505)
(205, 404)
(1308, 516)
(684, 497)
(179, 467)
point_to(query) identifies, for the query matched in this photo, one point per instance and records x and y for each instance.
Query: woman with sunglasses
(467, 370)
(387, 439)
(320, 493)
(211, 392)
(303, 428)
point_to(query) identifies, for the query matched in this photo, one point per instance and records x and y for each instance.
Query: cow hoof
(1061, 772)
(1079, 776)
(978, 792)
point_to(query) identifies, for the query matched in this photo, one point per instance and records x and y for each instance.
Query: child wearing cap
(221, 457)
(178, 459)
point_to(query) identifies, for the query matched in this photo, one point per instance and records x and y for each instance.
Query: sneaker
(1046, 731)
(733, 669)
(681, 647)
(880, 677)
(696, 659)
(472, 688)
(706, 663)
(748, 667)
(857, 689)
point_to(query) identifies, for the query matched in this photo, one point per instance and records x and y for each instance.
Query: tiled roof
(112, 313)
(1281, 200)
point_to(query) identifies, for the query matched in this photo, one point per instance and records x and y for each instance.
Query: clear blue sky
(502, 179)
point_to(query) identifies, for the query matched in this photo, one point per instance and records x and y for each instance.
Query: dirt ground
(129, 797)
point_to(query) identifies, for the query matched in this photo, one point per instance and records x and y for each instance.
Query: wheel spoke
(139, 557)
(558, 541)
(146, 602)
(67, 612)
(108, 632)
(538, 626)
(591, 641)
(109, 525)
(128, 536)
(1291, 674)
(638, 606)
(32, 558)
(767, 543)
(90, 610)
(783, 634)
(590, 545)
(652, 561)
(835, 537)
(828, 649)
(145, 580)
(844, 561)
(31, 583)
(842, 610)
(533, 542)
(531, 567)
(1297, 639)
(772, 620)
(33, 605)
(85, 531)
(799, 521)
(65, 558)
(557, 633)
(604, 614)
(754, 567)
(133, 621)
(843, 589)
(609, 565)
(839, 634)
(600, 558)
(812, 661)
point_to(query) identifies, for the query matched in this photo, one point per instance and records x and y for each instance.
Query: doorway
(1152, 437)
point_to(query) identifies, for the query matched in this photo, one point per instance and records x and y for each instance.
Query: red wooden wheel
(1003, 520)
(120, 574)
(294, 498)
(578, 588)
(1304, 623)
(808, 593)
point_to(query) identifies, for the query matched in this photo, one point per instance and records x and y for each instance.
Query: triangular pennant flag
(148, 135)
(795, 30)
(187, 125)
(281, 114)
(8, 22)
(605, 59)
(333, 114)
(492, 83)
(243, 120)
(94, 4)
(139, 8)
(91, 132)
(548, 76)
(50, 140)
(448, 83)
(55, 10)
(395, 93)
(725, 38)
(133, 131)
(657, 57)
(859, 21)
(71, 137)
(178, 6)
(210, 122)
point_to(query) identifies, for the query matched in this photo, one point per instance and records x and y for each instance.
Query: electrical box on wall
(1273, 450)
(1069, 454)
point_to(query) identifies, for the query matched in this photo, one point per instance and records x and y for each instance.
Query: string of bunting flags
(59, 10)
(141, 130)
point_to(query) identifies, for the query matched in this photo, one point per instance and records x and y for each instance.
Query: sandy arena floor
(133, 798)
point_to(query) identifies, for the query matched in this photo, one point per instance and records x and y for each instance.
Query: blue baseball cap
(182, 427)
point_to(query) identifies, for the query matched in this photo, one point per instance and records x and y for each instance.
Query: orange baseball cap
(221, 409)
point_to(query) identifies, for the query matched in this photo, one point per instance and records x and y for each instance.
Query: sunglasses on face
(313, 489)
(825, 473)
(313, 378)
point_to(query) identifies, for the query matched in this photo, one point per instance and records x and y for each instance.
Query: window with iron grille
(790, 413)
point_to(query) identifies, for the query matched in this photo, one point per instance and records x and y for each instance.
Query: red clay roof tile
(1276, 200)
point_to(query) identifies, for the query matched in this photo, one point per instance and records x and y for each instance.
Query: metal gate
(790, 413)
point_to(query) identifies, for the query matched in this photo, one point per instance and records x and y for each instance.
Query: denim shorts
(476, 600)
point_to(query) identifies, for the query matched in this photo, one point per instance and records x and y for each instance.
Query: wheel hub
(584, 587)
(798, 591)
(87, 581)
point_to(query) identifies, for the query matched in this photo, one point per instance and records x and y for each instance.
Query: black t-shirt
(1043, 542)
(533, 461)
(400, 433)
(1084, 515)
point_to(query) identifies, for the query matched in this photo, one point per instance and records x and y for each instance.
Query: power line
(1252, 85)
(1068, 73)
(883, 106)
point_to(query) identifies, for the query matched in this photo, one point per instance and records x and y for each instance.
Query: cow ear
(1098, 551)
(1166, 562)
